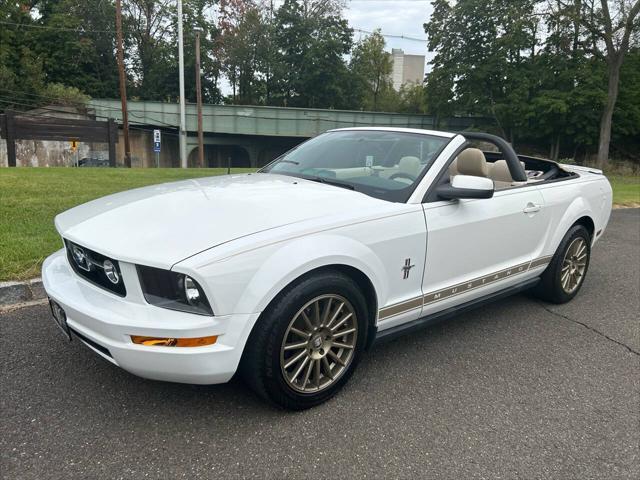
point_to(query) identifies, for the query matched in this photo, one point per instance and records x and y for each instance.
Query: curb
(12, 293)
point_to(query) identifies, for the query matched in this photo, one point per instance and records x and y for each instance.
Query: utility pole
(123, 86)
(199, 101)
(183, 129)
(269, 54)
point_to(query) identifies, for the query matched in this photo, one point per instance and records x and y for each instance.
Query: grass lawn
(626, 190)
(31, 197)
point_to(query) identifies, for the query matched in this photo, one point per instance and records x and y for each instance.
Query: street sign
(156, 141)
(156, 146)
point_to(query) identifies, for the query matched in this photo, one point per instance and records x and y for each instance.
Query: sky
(393, 17)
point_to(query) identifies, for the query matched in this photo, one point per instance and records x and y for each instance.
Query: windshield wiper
(331, 182)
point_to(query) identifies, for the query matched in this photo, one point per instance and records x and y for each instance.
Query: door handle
(531, 208)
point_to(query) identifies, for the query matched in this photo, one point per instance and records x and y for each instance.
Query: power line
(28, 94)
(387, 35)
(11, 101)
(54, 110)
(46, 97)
(134, 113)
(87, 31)
(151, 129)
(50, 27)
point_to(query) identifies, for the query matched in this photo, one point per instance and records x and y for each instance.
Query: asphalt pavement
(517, 389)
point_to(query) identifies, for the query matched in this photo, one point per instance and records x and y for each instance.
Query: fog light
(173, 342)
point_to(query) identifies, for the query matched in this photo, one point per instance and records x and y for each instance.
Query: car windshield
(383, 164)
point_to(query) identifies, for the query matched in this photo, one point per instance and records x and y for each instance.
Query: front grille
(90, 266)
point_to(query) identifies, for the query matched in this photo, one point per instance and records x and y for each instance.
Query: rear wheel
(307, 343)
(564, 276)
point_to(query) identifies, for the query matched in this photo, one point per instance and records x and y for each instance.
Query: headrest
(500, 171)
(410, 165)
(471, 161)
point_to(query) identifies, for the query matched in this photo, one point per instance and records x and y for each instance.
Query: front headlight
(172, 290)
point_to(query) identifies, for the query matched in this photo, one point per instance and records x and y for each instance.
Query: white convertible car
(289, 274)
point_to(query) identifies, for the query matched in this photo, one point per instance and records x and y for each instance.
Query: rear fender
(577, 209)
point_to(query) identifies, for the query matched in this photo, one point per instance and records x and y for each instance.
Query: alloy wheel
(319, 343)
(574, 265)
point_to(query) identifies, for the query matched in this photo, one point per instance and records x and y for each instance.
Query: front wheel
(308, 342)
(564, 276)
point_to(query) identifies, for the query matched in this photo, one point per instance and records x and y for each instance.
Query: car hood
(163, 224)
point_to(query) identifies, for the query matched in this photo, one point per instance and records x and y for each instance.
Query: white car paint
(246, 237)
(173, 221)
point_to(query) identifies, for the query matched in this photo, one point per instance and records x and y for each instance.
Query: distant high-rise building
(406, 68)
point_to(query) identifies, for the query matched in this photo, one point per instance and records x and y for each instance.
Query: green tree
(568, 89)
(198, 17)
(611, 25)
(371, 67)
(413, 99)
(152, 48)
(626, 117)
(312, 39)
(24, 73)
(482, 52)
(77, 46)
(150, 55)
(242, 49)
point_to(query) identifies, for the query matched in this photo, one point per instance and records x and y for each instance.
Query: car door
(479, 246)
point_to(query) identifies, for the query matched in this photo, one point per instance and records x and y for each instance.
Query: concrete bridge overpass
(248, 136)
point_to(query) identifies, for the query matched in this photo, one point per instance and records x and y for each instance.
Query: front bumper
(106, 320)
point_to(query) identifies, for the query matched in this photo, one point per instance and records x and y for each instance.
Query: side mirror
(466, 186)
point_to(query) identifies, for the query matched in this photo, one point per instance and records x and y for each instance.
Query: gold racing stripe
(399, 308)
(473, 284)
(442, 294)
(538, 262)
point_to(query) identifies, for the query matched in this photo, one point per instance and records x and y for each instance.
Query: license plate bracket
(60, 318)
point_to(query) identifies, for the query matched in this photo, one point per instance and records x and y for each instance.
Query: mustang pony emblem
(406, 268)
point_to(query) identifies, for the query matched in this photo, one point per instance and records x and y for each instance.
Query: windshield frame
(396, 196)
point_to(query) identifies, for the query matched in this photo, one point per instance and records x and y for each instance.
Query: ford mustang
(289, 275)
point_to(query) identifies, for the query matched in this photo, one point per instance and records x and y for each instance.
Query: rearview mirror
(466, 186)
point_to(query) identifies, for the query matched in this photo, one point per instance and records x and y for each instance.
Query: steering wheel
(404, 176)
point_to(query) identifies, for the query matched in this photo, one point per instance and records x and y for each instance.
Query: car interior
(491, 164)
(473, 162)
(387, 164)
(385, 160)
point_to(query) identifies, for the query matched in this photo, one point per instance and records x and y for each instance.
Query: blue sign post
(156, 146)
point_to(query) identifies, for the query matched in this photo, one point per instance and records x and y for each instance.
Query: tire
(267, 365)
(554, 286)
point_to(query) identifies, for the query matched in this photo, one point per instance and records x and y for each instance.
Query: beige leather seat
(501, 175)
(471, 161)
(410, 166)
